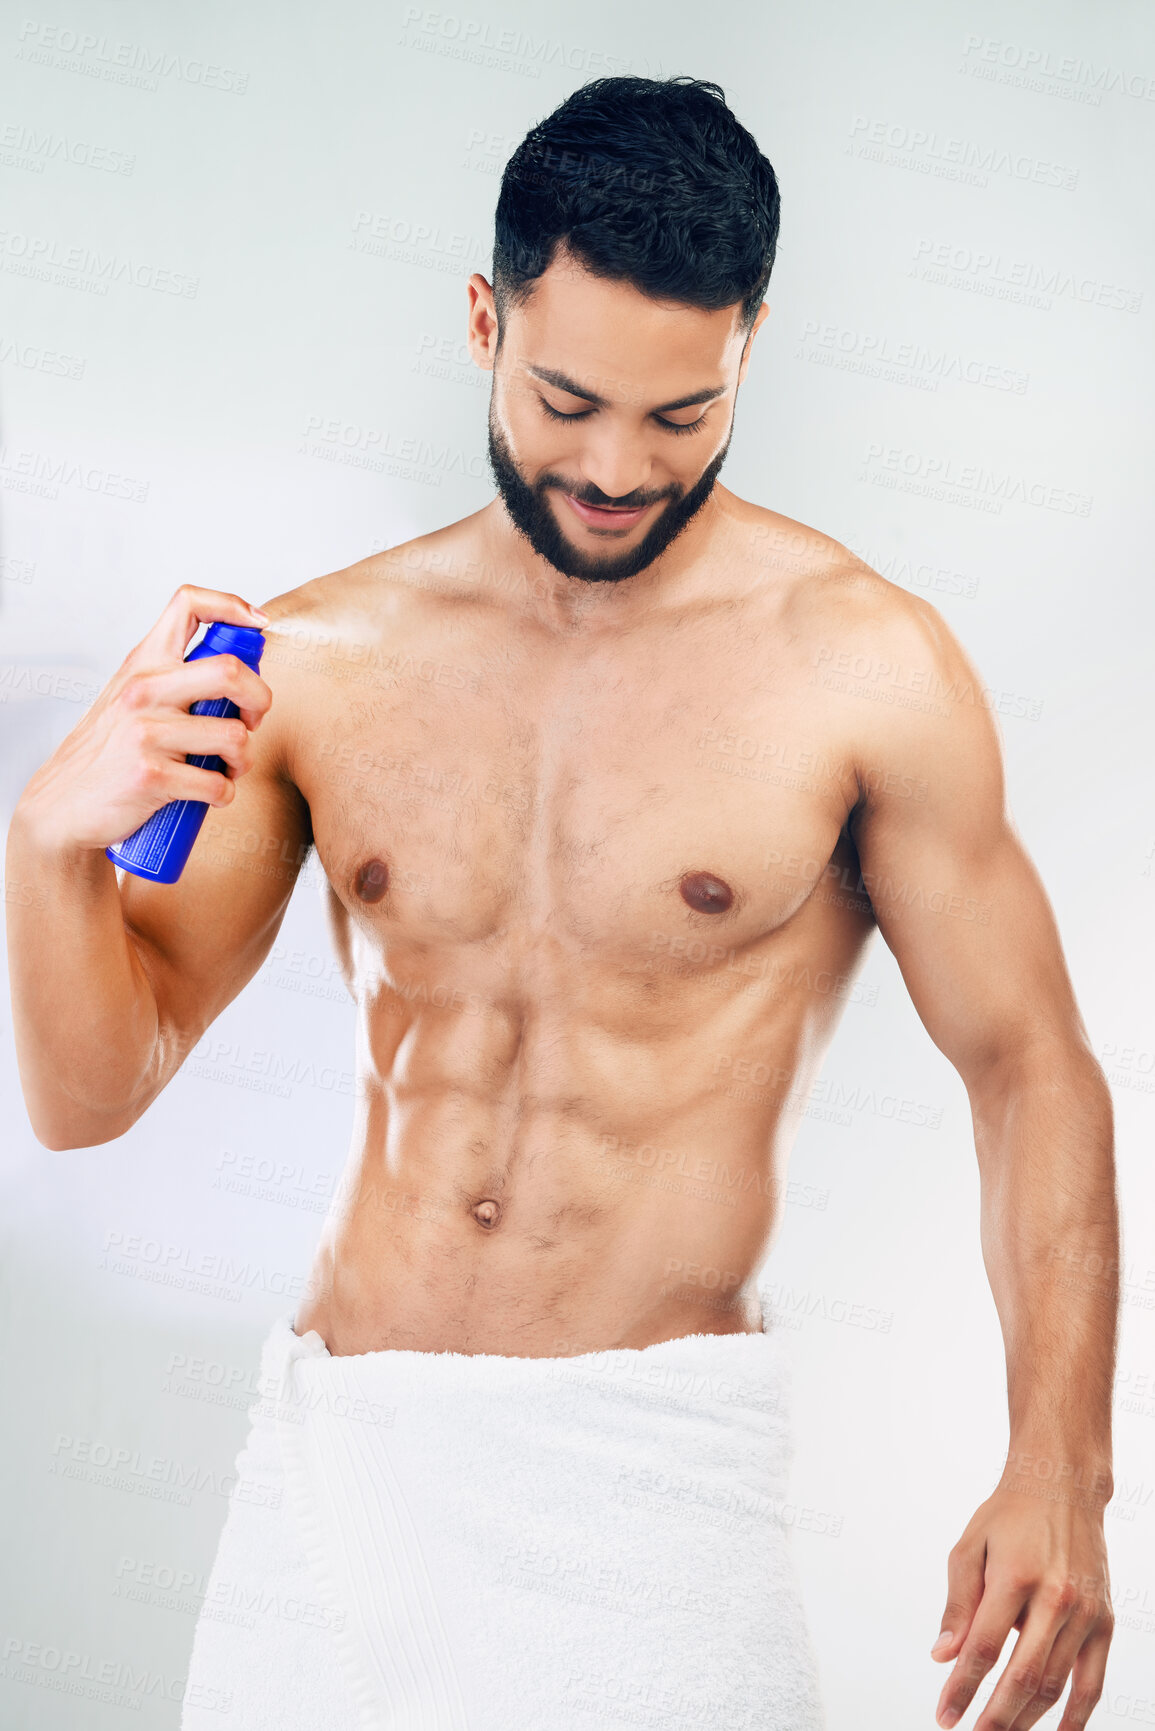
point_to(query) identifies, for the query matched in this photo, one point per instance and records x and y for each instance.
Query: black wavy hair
(648, 181)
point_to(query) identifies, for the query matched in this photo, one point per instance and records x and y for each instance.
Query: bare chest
(466, 792)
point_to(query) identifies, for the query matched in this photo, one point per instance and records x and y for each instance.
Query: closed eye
(670, 426)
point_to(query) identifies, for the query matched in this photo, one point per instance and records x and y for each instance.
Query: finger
(992, 1623)
(206, 736)
(209, 785)
(1056, 1670)
(964, 1573)
(189, 607)
(1087, 1678)
(179, 686)
(182, 780)
(1028, 1665)
(223, 675)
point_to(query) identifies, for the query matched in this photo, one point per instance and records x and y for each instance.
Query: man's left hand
(1034, 1558)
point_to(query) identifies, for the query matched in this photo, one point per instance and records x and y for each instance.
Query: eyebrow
(563, 383)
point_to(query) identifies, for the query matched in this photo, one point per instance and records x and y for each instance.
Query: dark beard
(533, 516)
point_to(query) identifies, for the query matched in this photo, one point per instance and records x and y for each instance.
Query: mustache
(594, 496)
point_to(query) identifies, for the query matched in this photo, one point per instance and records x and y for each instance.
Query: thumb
(964, 1573)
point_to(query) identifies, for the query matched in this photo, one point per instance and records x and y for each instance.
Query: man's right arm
(114, 983)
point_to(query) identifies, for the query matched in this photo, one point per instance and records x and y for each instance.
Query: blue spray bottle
(161, 846)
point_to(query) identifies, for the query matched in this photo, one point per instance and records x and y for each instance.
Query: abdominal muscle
(540, 1189)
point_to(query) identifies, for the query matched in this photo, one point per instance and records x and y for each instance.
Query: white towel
(452, 1542)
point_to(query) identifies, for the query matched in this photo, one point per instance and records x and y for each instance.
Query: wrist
(1050, 1469)
(37, 842)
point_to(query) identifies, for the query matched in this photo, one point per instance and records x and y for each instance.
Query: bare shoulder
(859, 619)
(374, 595)
(892, 680)
(920, 725)
(339, 626)
(344, 599)
(851, 620)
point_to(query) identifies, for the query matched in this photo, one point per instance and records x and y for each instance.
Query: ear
(481, 333)
(759, 316)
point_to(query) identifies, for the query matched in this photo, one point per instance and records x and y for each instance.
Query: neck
(557, 599)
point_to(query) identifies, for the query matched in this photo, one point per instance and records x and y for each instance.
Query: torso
(590, 891)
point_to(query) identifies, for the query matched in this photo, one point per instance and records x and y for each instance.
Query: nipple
(372, 880)
(706, 893)
(487, 1212)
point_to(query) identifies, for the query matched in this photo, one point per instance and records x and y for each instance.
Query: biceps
(202, 939)
(970, 925)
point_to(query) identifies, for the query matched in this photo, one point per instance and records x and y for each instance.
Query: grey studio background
(233, 255)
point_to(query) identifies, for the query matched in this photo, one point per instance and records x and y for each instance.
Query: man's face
(610, 416)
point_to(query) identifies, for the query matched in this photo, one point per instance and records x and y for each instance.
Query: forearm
(84, 1014)
(1050, 1238)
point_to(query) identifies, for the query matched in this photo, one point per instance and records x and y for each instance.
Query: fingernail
(257, 614)
(950, 1717)
(944, 1640)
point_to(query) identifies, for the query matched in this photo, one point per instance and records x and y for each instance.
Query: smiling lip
(596, 518)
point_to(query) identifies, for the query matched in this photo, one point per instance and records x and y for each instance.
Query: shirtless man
(569, 926)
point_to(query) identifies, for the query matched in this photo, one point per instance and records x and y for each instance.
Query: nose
(615, 463)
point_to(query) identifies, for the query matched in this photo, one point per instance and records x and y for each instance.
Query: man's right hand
(126, 757)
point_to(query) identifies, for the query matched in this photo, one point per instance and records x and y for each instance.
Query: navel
(487, 1212)
(372, 880)
(706, 893)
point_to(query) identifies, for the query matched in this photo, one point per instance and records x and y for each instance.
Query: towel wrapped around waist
(449, 1542)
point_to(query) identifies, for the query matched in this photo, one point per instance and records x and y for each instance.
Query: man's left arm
(964, 912)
